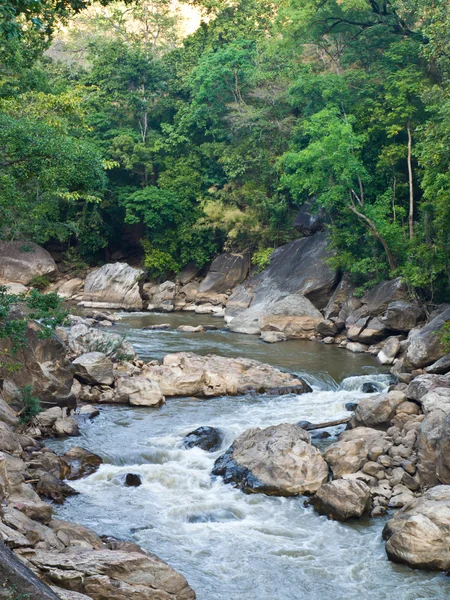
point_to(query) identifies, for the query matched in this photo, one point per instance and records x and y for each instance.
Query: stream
(232, 546)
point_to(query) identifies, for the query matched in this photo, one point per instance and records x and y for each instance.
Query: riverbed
(232, 546)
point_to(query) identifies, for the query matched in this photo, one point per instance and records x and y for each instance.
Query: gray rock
(188, 273)
(138, 391)
(278, 460)
(207, 438)
(115, 285)
(21, 260)
(299, 268)
(226, 272)
(440, 367)
(308, 222)
(422, 384)
(391, 348)
(419, 534)
(402, 315)
(94, 368)
(342, 499)
(378, 410)
(424, 345)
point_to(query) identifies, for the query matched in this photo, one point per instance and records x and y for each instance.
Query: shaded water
(229, 545)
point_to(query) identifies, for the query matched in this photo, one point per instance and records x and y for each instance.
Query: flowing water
(229, 545)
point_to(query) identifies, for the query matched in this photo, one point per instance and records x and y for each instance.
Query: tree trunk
(411, 184)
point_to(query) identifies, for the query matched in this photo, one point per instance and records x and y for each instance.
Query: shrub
(31, 404)
(261, 258)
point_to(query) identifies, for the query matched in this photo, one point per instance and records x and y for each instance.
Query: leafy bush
(40, 282)
(31, 404)
(261, 258)
(445, 336)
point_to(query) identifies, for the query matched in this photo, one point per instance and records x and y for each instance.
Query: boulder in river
(81, 462)
(94, 368)
(188, 374)
(103, 574)
(206, 438)
(115, 285)
(298, 268)
(138, 391)
(342, 499)
(277, 461)
(419, 534)
(378, 410)
(133, 480)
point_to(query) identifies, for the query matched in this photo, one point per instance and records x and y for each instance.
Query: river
(232, 546)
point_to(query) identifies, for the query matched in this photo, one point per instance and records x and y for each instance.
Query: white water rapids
(232, 546)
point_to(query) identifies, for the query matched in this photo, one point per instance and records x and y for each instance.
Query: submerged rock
(133, 480)
(278, 461)
(207, 438)
(81, 462)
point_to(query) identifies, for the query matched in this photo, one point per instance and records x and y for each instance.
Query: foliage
(178, 148)
(31, 404)
(445, 336)
(40, 282)
(261, 258)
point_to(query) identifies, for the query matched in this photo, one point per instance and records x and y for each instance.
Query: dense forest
(120, 131)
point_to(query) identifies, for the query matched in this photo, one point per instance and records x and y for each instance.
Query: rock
(51, 487)
(188, 273)
(186, 295)
(437, 399)
(14, 573)
(272, 337)
(378, 410)
(191, 329)
(7, 414)
(440, 367)
(308, 222)
(21, 260)
(67, 595)
(369, 388)
(94, 368)
(132, 480)
(69, 289)
(225, 273)
(428, 437)
(102, 574)
(377, 300)
(66, 426)
(81, 462)
(9, 442)
(402, 316)
(44, 367)
(299, 268)
(351, 406)
(138, 391)
(88, 411)
(113, 286)
(342, 499)
(188, 374)
(342, 303)
(294, 316)
(278, 460)
(355, 347)
(46, 419)
(424, 345)
(443, 453)
(326, 328)
(423, 384)
(391, 348)
(419, 534)
(83, 340)
(349, 454)
(207, 438)
(163, 297)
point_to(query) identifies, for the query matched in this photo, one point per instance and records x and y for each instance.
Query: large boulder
(103, 574)
(162, 297)
(378, 410)
(428, 438)
(423, 384)
(424, 345)
(81, 462)
(82, 340)
(226, 272)
(43, 366)
(402, 315)
(207, 438)
(440, 367)
(20, 261)
(138, 391)
(294, 316)
(350, 453)
(342, 499)
(279, 461)
(114, 285)
(419, 534)
(94, 368)
(298, 268)
(188, 374)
